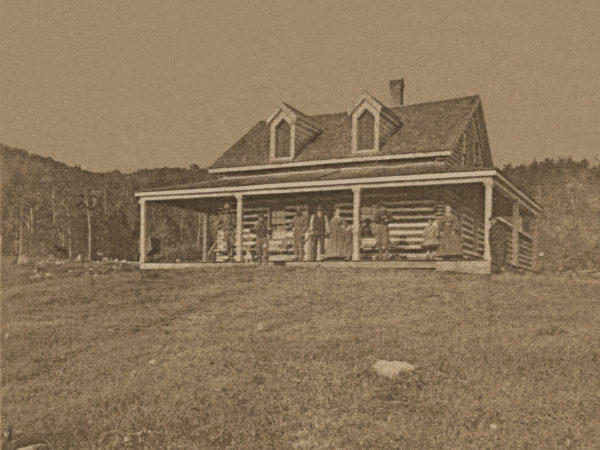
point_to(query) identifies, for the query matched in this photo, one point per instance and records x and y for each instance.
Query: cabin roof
(425, 127)
(320, 175)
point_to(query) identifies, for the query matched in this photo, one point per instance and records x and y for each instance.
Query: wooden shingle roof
(426, 127)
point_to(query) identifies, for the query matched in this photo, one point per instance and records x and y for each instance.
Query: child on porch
(431, 240)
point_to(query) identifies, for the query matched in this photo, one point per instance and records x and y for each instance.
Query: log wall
(410, 210)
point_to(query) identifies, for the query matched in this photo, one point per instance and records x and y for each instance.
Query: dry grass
(282, 358)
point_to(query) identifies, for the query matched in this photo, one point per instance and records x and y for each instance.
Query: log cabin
(415, 159)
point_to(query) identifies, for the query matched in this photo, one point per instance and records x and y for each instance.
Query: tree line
(49, 208)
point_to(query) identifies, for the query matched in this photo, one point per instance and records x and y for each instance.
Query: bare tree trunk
(20, 255)
(31, 231)
(199, 230)
(89, 224)
(54, 210)
(88, 214)
(68, 233)
(181, 225)
(105, 204)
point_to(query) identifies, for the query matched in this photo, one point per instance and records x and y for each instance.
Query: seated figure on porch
(381, 219)
(318, 230)
(299, 227)
(227, 225)
(261, 231)
(450, 235)
(431, 240)
(340, 244)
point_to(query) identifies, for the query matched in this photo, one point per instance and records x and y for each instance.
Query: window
(365, 131)
(282, 140)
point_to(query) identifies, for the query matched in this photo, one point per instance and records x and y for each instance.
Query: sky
(125, 85)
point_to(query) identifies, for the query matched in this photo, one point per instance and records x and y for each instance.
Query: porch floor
(464, 266)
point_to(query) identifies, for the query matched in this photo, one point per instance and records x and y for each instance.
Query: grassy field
(282, 358)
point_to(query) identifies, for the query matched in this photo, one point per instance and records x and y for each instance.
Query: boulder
(391, 369)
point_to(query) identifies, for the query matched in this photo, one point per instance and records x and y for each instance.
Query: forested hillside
(51, 208)
(569, 191)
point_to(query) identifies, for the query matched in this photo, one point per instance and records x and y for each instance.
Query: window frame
(273, 138)
(356, 114)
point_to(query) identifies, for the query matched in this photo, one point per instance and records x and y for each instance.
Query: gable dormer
(289, 132)
(372, 124)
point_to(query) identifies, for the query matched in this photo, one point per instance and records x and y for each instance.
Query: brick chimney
(397, 92)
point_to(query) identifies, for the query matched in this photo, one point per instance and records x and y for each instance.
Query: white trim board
(421, 155)
(339, 183)
(363, 187)
(343, 184)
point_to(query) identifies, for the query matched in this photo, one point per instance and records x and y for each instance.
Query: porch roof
(342, 178)
(316, 175)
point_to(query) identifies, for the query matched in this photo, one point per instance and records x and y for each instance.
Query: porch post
(239, 227)
(516, 226)
(204, 236)
(142, 246)
(356, 224)
(487, 215)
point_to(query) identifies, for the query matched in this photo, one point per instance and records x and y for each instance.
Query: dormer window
(290, 132)
(372, 124)
(283, 143)
(365, 129)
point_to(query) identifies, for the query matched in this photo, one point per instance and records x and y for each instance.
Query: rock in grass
(390, 369)
(34, 447)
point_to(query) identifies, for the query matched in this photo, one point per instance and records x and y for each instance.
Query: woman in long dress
(340, 237)
(450, 235)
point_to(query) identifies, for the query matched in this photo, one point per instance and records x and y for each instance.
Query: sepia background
(97, 97)
(140, 84)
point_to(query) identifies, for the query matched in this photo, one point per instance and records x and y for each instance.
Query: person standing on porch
(450, 235)
(261, 231)
(381, 230)
(497, 245)
(299, 226)
(318, 229)
(431, 240)
(227, 225)
(340, 245)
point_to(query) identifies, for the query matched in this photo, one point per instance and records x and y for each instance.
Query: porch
(474, 197)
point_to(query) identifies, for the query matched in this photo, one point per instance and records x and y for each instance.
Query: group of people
(314, 229)
(339, 232)
(441, 237)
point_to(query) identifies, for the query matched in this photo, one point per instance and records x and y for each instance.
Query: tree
(89, 202)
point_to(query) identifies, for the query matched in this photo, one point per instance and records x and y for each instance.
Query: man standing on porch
(318, 229)
(299, 226)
